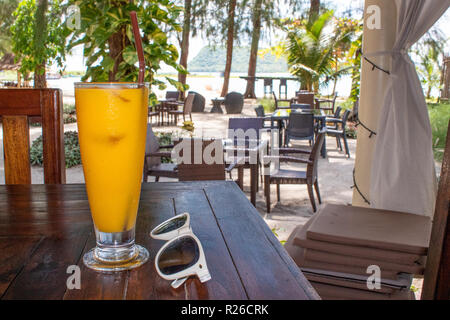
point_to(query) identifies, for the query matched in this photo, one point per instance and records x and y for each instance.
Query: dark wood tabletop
(46, 228)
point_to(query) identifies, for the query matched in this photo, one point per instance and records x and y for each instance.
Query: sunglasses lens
(171, 225)
(179, 255)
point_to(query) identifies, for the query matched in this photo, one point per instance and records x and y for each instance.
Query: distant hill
(211, 59)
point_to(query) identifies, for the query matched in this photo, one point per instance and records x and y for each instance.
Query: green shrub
(71, 150)
(165, 138)
(439, 117)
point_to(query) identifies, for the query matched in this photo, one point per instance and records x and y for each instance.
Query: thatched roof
(7, 62)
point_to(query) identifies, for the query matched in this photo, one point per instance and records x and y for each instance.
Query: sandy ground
(335, 176)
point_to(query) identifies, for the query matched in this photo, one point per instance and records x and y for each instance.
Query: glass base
(115, 252)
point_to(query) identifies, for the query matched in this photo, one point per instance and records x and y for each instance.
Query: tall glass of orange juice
(112, 124)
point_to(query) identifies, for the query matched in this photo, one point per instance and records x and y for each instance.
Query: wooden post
(373, 89)
(436, 284)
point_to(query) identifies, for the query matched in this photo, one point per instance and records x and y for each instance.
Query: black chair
(332, 121)
(173, 95)
(340, 132)
(259, 110)
(246, 124)
(277, 106)
(301, 106)
(234, 102)
(300, 127)
(198, 105)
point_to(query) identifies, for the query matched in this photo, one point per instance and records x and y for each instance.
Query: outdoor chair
(198, 105)
(306, 98)
(276, 105)
(329, 102)
(152, 113)
(259, 110)
(172, 95)
(332, 121)
(234, 102)
(246, 124)
(16, 107)
(202, 170)
(340, 132)
(153, 166)
(187, 109)
(300, 127)
(289, 176)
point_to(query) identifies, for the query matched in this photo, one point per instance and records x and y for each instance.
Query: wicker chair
(300, 127)
(234, 102)
(285, 176)
(187, 109)
(340, 132)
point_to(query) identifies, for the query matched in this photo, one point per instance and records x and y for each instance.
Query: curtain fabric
(403, 176)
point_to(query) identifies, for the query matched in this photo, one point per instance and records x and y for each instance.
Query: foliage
(165, 139)
(313, 48)
(69, 113)
(7, 8)
(211, 59)
(188, 126)
(33, 47)
(103, 22)
(71, 150)
(439, 114)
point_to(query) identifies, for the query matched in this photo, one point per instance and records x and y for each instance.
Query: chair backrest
(259, 110)
(275, 100)
(175, 95)
(207, 165)
(311, 169)
(345, 118)
(16, 106)
(234, 102)
(268, 82)
(337, 113)
(301, 106)
(198, 104)
(188, 103)
(151, 146)
(306, 98)
(245, 123)
(301, 125)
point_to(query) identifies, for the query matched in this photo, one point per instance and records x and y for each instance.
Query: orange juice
(112, 124)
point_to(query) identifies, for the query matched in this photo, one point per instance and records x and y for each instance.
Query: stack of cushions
(337, 245)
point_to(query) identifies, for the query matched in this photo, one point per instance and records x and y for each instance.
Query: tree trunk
(117, 43)
(230, 40)
(40, 80)
(185, 41)
(256, 33)
(40, 36)
(314, 8)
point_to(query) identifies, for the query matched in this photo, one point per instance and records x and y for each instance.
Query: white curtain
(403, 176)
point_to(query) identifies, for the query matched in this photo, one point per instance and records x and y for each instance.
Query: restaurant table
(280, 115)
(167, 105)
(217, 102)
(44, 229)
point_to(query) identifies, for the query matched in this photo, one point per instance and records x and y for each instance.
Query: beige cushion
(299, 238)
(381, 229)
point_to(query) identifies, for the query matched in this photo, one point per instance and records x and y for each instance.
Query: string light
(357, 188)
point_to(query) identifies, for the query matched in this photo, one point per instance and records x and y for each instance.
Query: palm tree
(311, 48)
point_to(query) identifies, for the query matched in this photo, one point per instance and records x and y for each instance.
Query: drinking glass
(112, 124)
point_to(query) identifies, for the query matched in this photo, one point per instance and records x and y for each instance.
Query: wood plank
(97, 285)
(436, 283)
(44, 276)
(14, 253)
(225, 282)
(25, 102)
(144, 282)
(53, 136)
(264, 266)
(16, 150)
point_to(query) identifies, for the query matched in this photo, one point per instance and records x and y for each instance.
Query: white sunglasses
(182, 256)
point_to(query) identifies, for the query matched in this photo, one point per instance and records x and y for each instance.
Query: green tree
(7, 7)
(38, 37)
(311, 50)
(106, 34)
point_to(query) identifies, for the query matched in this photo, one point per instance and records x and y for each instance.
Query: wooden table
(46, 228)
(217, 103)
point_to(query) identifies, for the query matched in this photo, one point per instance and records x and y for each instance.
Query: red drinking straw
(140, 51)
